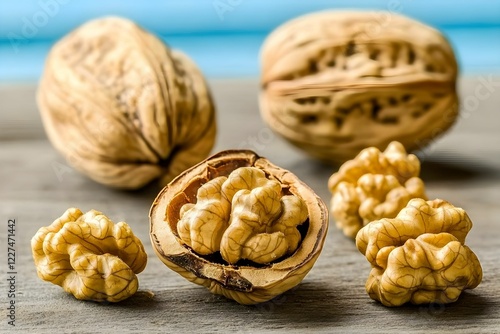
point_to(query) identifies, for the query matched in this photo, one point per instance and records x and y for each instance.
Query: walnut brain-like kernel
(335, 82)
(420, 256)
(240, 226)
(244, 216)
(374, 185)
(122, 107)
(89, 256)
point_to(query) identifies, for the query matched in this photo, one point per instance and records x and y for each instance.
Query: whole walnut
(122, 107)
(334, 83)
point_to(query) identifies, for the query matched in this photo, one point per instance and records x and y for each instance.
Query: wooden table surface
(37, 186)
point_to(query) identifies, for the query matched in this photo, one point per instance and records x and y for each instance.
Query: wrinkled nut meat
(89, 256)
(420, 256)
(240, 226)
(244, 216)
(334, 83)
(122, 107)
(374, 185)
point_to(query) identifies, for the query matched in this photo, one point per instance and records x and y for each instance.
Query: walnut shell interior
(245, 282)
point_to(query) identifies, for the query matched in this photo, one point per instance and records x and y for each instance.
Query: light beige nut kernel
(333, 85)
(244, 216)
(89, 256)
(122, 107)
(420, 256)
(201, 226)
(240, 226)
(374, 185)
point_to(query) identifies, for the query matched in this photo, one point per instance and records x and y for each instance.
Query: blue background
(224, 36)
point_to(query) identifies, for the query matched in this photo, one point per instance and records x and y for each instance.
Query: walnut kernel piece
(240, 226)
(335, 82)
(374, 185)
(89, 256)
(122, 107)
(244, 216)
(420, 256)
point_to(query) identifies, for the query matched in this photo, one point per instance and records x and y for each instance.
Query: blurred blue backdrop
(224, 36)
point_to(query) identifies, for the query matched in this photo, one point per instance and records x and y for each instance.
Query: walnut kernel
(374, 185)
(420, 256)
(89, 256)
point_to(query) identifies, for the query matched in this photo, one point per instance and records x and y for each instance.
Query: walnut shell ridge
(122, 107)
(336, 82)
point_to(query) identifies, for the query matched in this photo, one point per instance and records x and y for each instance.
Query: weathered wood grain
(37, 186)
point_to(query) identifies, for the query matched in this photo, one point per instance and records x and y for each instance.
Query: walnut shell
(122, 107)
(334, 83)
(244, 281)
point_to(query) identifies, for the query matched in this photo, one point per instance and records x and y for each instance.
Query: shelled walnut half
(240, 226)
(335, 82)
(374, 185)
(420, 256)
(89, 256)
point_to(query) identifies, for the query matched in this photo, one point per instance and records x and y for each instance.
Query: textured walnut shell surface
(247, 284)
(122, 107)
(334, 83)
